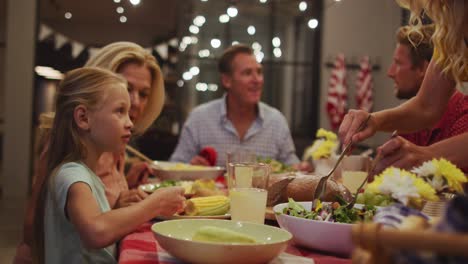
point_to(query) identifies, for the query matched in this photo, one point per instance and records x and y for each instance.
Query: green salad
(331, 212)
(276, 166)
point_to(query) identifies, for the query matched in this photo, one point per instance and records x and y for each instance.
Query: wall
(19, 75)
(3, 8)
(357, 28)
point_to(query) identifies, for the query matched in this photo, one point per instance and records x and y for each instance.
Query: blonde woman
(74, 222)
(448, 67)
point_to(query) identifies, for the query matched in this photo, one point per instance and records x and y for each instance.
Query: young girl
(78, 226)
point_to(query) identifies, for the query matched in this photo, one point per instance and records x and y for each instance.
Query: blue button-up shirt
(208, 125)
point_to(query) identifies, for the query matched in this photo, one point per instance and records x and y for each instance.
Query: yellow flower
(324, 149)
(328, 135)
(451, 173)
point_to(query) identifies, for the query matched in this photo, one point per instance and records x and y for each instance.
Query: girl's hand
(127, 198)
(168, 200)
(351, 122)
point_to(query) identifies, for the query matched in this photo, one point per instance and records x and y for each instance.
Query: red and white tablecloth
(140, 247)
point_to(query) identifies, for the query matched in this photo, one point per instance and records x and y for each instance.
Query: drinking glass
(248, 191)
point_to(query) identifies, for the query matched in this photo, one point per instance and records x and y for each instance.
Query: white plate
(224, 216)
(165, 170)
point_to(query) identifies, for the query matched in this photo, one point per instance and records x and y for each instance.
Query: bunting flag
(364, 86)
(337, 93)
(162, 49)
(44, 32)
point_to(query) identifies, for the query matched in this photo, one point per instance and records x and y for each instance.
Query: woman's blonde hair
(84, 86)
(448, 38)
(115, 56)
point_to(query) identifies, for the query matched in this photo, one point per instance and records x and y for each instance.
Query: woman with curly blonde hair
(447, 69)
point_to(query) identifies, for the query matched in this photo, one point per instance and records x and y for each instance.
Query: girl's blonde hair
(115, 56)
(84, 86)
(448, 38)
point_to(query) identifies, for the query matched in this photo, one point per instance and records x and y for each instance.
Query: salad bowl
(326, 236)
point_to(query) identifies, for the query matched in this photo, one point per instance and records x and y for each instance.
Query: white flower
(426, 169)
(399, 186)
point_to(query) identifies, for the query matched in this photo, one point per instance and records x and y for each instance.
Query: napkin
(209, 153)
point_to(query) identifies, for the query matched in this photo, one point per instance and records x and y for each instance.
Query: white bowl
(326, 236)
(175, 237)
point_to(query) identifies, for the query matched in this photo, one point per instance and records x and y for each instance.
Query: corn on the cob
(224, 235)
(210, 205)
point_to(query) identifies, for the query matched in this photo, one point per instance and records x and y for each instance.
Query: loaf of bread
(301, 187)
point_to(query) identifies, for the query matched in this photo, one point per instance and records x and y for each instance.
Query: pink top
(110, 170)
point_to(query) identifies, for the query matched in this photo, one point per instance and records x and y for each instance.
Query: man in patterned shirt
(238, 120)
(407, 70)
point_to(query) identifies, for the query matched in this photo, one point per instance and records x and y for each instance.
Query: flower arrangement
(401, 186)
(442, 175)
(324, 146)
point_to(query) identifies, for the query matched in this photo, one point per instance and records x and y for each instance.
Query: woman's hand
(168, 200)
(127, 198)
(401, 153)
(351, 123)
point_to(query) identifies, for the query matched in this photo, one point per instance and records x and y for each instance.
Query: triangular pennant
(162, 50)
(60, 40)
(44, 32)
(77, 48)
(174, 42)
(93, 51)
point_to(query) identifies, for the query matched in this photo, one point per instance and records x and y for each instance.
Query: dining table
(141, 247)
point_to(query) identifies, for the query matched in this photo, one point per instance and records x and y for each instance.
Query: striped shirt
(208, 125)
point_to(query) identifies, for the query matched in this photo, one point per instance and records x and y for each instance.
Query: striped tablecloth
(140, 247)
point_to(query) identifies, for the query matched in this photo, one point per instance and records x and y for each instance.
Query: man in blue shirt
(238, 120)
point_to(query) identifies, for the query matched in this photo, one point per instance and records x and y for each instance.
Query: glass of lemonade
(354, 171)
(248, 184)
(248, 204)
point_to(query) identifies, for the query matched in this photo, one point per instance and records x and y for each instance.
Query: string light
(277, 52)
(199, 21)
(303, 6)
(194, 70)
(235, 42)
(135, 2)
(251, 30)
(223, 18)
(232, 11)
(123, 19)
(276, 42)
(313, 23)
(263, 1)
(204, 53)
(119, 10)
(180, 83)
(215, 43)
(256, 46)
(187, 76)
(116, 1)
(68, 15)
(194, 29)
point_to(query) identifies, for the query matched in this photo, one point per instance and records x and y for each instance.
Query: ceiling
(96, 22)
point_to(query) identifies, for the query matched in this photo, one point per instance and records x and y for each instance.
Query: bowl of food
(182, 171)
(326, 229)
(220, 241)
